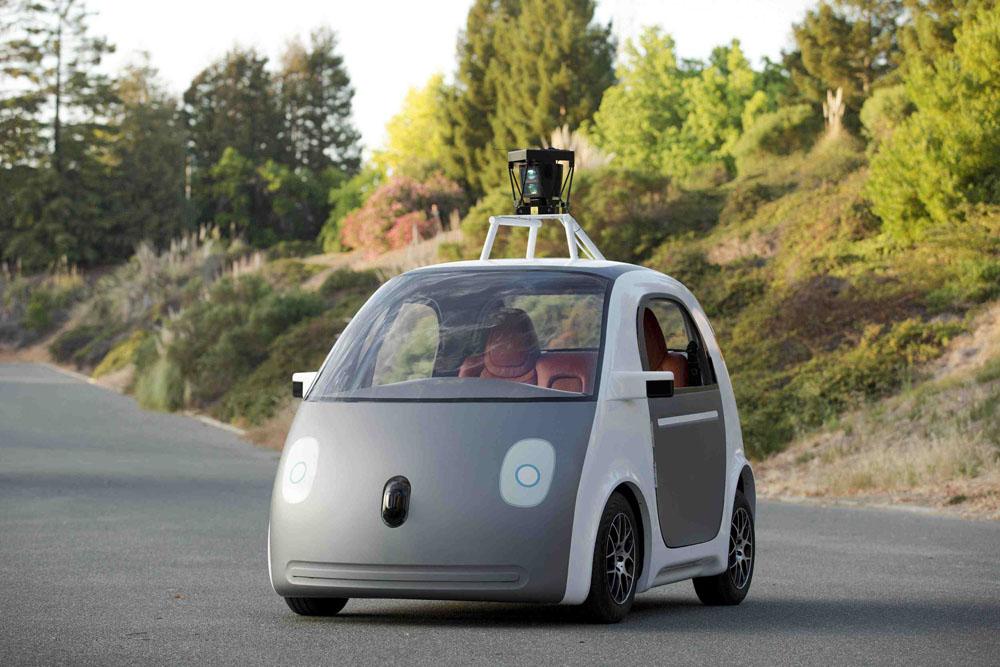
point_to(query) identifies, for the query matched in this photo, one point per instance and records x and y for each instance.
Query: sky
(390, 46)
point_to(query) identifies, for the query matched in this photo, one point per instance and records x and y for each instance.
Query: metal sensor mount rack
(576, 239)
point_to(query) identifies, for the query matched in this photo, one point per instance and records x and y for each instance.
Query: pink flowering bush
(397, 208)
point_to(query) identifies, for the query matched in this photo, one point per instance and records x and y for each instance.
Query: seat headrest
(656, 345)
(512, 345)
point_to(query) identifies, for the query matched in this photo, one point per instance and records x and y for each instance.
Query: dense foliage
(92, 165)
(669, 117)
(833, 260)
(401, 211)
(947, 153)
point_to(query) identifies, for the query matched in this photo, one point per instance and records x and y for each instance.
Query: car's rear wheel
(731, 586)
(316, 606)
(616, 563)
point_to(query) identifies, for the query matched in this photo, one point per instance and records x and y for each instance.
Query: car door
(689, 440)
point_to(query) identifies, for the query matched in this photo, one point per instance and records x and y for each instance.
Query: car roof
(600, 267)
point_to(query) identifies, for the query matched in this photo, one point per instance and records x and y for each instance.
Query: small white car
(532, 430)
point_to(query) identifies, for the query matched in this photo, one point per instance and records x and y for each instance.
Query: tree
(472, 102)
(930, 30)
(723, 100)
(640, 117)
(316, 96)
(947, 154)
(521, 76)
(414, 143)
(344, 200)
(53, 128)
(234, 103)
(147, 158)
(667, 118)
(851, 44)
(547, 74)
(268, 202)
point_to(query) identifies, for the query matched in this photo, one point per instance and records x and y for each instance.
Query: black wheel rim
(740, 548)
(620, 558)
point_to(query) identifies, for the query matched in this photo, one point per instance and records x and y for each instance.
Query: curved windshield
(471, 335)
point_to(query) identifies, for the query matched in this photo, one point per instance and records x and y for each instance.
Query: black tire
(316, 606)
(731, 586)
(617, 562)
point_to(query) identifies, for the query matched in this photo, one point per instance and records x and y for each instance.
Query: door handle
(692, 418)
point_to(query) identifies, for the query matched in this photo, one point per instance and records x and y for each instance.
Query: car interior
(671, 343)
(512, 353)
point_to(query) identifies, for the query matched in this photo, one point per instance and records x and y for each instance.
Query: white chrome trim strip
(688, 419)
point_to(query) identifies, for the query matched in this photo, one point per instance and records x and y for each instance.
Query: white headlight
(526, 473)
(299, 470)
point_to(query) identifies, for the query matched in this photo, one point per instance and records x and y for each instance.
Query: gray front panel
(460, 540)
(689, 451)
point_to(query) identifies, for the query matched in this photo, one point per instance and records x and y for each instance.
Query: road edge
(204, 419)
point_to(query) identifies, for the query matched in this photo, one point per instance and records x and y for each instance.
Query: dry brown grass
(936, 445)
(271, 434)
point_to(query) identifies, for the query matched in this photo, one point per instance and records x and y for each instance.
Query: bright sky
(391, 45)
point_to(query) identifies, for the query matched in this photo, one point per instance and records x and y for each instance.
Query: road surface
(130, 537)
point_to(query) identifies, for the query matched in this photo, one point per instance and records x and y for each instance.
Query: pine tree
(930, 32)
(53, 129)
(472, 102)
(147, 162)
(234, 103)
(316, 96)
(851, 44)
(525, 69)
(550, 73)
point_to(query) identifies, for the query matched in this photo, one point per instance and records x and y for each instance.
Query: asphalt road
(130, 537)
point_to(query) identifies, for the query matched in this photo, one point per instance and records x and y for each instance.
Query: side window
(670, 342)
(409, 347)
(672, 324)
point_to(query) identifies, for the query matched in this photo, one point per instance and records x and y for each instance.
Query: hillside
(863, 367)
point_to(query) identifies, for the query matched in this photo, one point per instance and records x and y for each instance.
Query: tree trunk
(57, 126)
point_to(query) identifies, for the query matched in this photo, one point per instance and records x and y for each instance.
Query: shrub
(342, 280)
(396, 209)
(476, 222)
(832, 159)
(626, 213)
(302, 347)
(764, 413)
(160, 386)
(990, 371)
(883, 112)
(99, 347)
(344, 200)
(781, 132)
(67, 344)
(38, 313)
(947, 153)
(743, 201)
(287, 249)
(288, 272)
(122, 354)
(880, 363)
(219, 341)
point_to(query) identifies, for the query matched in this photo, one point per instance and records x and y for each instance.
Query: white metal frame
(576, 238)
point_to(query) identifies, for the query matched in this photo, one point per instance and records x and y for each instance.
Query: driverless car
(557, 430)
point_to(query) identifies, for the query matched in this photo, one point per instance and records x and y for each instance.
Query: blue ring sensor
(517, 475)
(298, 472)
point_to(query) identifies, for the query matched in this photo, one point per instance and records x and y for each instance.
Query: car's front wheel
(616, 563)
(731, 586)
(316, 606)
